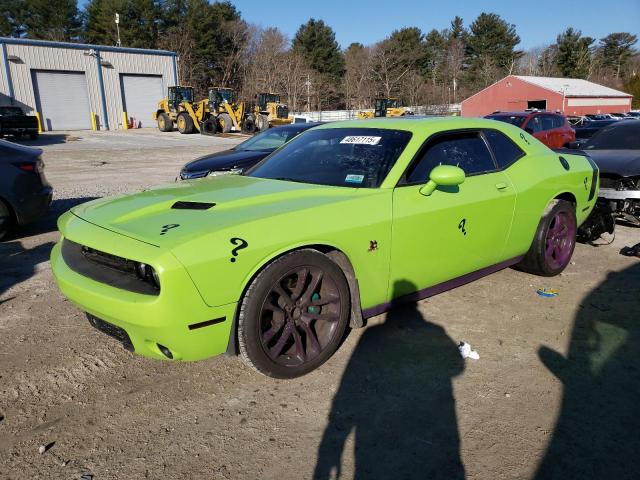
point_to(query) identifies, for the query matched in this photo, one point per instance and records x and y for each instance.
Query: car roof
(420, 125)
(524, 114)
(299, 126)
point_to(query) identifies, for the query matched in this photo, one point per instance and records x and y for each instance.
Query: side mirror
(529, 130)
(443, 175)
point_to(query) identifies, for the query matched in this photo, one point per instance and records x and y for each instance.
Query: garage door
(62, 100)
(141, 94)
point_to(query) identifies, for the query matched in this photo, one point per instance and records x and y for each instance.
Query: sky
(538, 22)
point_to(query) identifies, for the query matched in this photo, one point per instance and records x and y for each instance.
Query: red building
(571, 96)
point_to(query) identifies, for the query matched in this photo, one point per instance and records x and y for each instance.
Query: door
(62, 99)
(140, 97)
(455, 230)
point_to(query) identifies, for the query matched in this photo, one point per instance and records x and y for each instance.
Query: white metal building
(71, 84)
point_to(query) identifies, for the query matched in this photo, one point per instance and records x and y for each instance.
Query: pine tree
(317, 43)
(492, 52)
(617, 49)
(138, 22)
(51, 19)
(11, 18)
(573, 54)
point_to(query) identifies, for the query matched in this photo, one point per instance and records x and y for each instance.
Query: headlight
(232, 171)
(148, 274)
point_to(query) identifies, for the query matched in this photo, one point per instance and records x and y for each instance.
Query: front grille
(116, 332)
(282, 111)
(105, 268)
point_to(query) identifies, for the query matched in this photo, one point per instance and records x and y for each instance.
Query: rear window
(516, 120)
(505, 151)
(342, 157)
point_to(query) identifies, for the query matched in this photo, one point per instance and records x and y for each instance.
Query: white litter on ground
(465, 351)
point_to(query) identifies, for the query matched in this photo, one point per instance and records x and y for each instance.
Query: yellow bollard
(39, 122)
(94, 127)
(125, 121)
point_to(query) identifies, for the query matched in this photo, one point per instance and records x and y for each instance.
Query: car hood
(625, 163)
(226, 159)
(151, 216)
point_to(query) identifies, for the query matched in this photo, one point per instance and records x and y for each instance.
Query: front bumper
(177, 319)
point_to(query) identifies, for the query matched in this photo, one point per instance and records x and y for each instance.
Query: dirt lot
(554, 393)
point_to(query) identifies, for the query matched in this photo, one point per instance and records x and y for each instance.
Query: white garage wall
(39, 57)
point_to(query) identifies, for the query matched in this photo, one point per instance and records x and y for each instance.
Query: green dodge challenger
(327, 231)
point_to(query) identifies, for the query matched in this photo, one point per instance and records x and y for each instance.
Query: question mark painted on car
(461, 225)
(241, 243)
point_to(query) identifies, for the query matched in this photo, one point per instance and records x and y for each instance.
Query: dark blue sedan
(244, 155)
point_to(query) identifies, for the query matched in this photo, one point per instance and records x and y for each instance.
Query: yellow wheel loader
(266, 112)
(179, 108)
(225, 115)
(386, 107)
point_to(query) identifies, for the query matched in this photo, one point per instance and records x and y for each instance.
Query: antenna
(118, 28)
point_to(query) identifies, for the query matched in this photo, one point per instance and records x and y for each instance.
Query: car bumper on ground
(175, 324)
(611, 194)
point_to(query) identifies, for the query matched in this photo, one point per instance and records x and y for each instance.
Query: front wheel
(555, 239)
(165, 124)
(185, 123)
(293, 315)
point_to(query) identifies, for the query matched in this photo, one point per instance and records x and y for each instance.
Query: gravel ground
(553, 395)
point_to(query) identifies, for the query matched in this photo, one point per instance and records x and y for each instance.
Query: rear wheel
(224, 123)
(185, 124)
(555, 239)
(249, 125)
(294, 315)
(164, 123)
(5, 219)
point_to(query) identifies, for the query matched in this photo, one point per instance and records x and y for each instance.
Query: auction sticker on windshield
(361, 140)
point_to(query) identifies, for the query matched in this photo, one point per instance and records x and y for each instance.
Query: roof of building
(573, 87)
(83, 46)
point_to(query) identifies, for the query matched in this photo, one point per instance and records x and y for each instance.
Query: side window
(533, 125)
(558, 121)
(547, 122)
(505, 151)
(465, 150)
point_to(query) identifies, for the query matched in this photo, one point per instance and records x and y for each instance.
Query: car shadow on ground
(48, 222)
(43, 139)
(396, 397)
(597, 432)
(18, 264)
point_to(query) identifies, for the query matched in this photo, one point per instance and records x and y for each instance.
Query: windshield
(10, 111)
(268, 140)
(341, 157)
(516, 120)
(615, 137)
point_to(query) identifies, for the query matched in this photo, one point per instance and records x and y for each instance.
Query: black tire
(249, 125)
(262, 122)
(165, 124)
(554, 241)
(224, 123)
(33, 136)
(5, 219)
(209, 127)
(276, 332)
(185, 123)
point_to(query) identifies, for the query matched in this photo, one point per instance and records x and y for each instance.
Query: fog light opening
(165, 351)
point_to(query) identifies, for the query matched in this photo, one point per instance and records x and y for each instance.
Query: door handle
(501, 186)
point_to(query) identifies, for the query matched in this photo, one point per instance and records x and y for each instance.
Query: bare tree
(357, 84)
(390, 65)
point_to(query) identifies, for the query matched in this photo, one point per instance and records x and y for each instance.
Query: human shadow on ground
(396, 397)
(18, 264)
(597, 435)
(49, 220)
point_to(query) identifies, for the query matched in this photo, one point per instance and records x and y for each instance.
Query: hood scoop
(182, 205)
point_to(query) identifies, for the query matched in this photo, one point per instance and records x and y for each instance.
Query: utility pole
(119, 44)
(308, 84)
